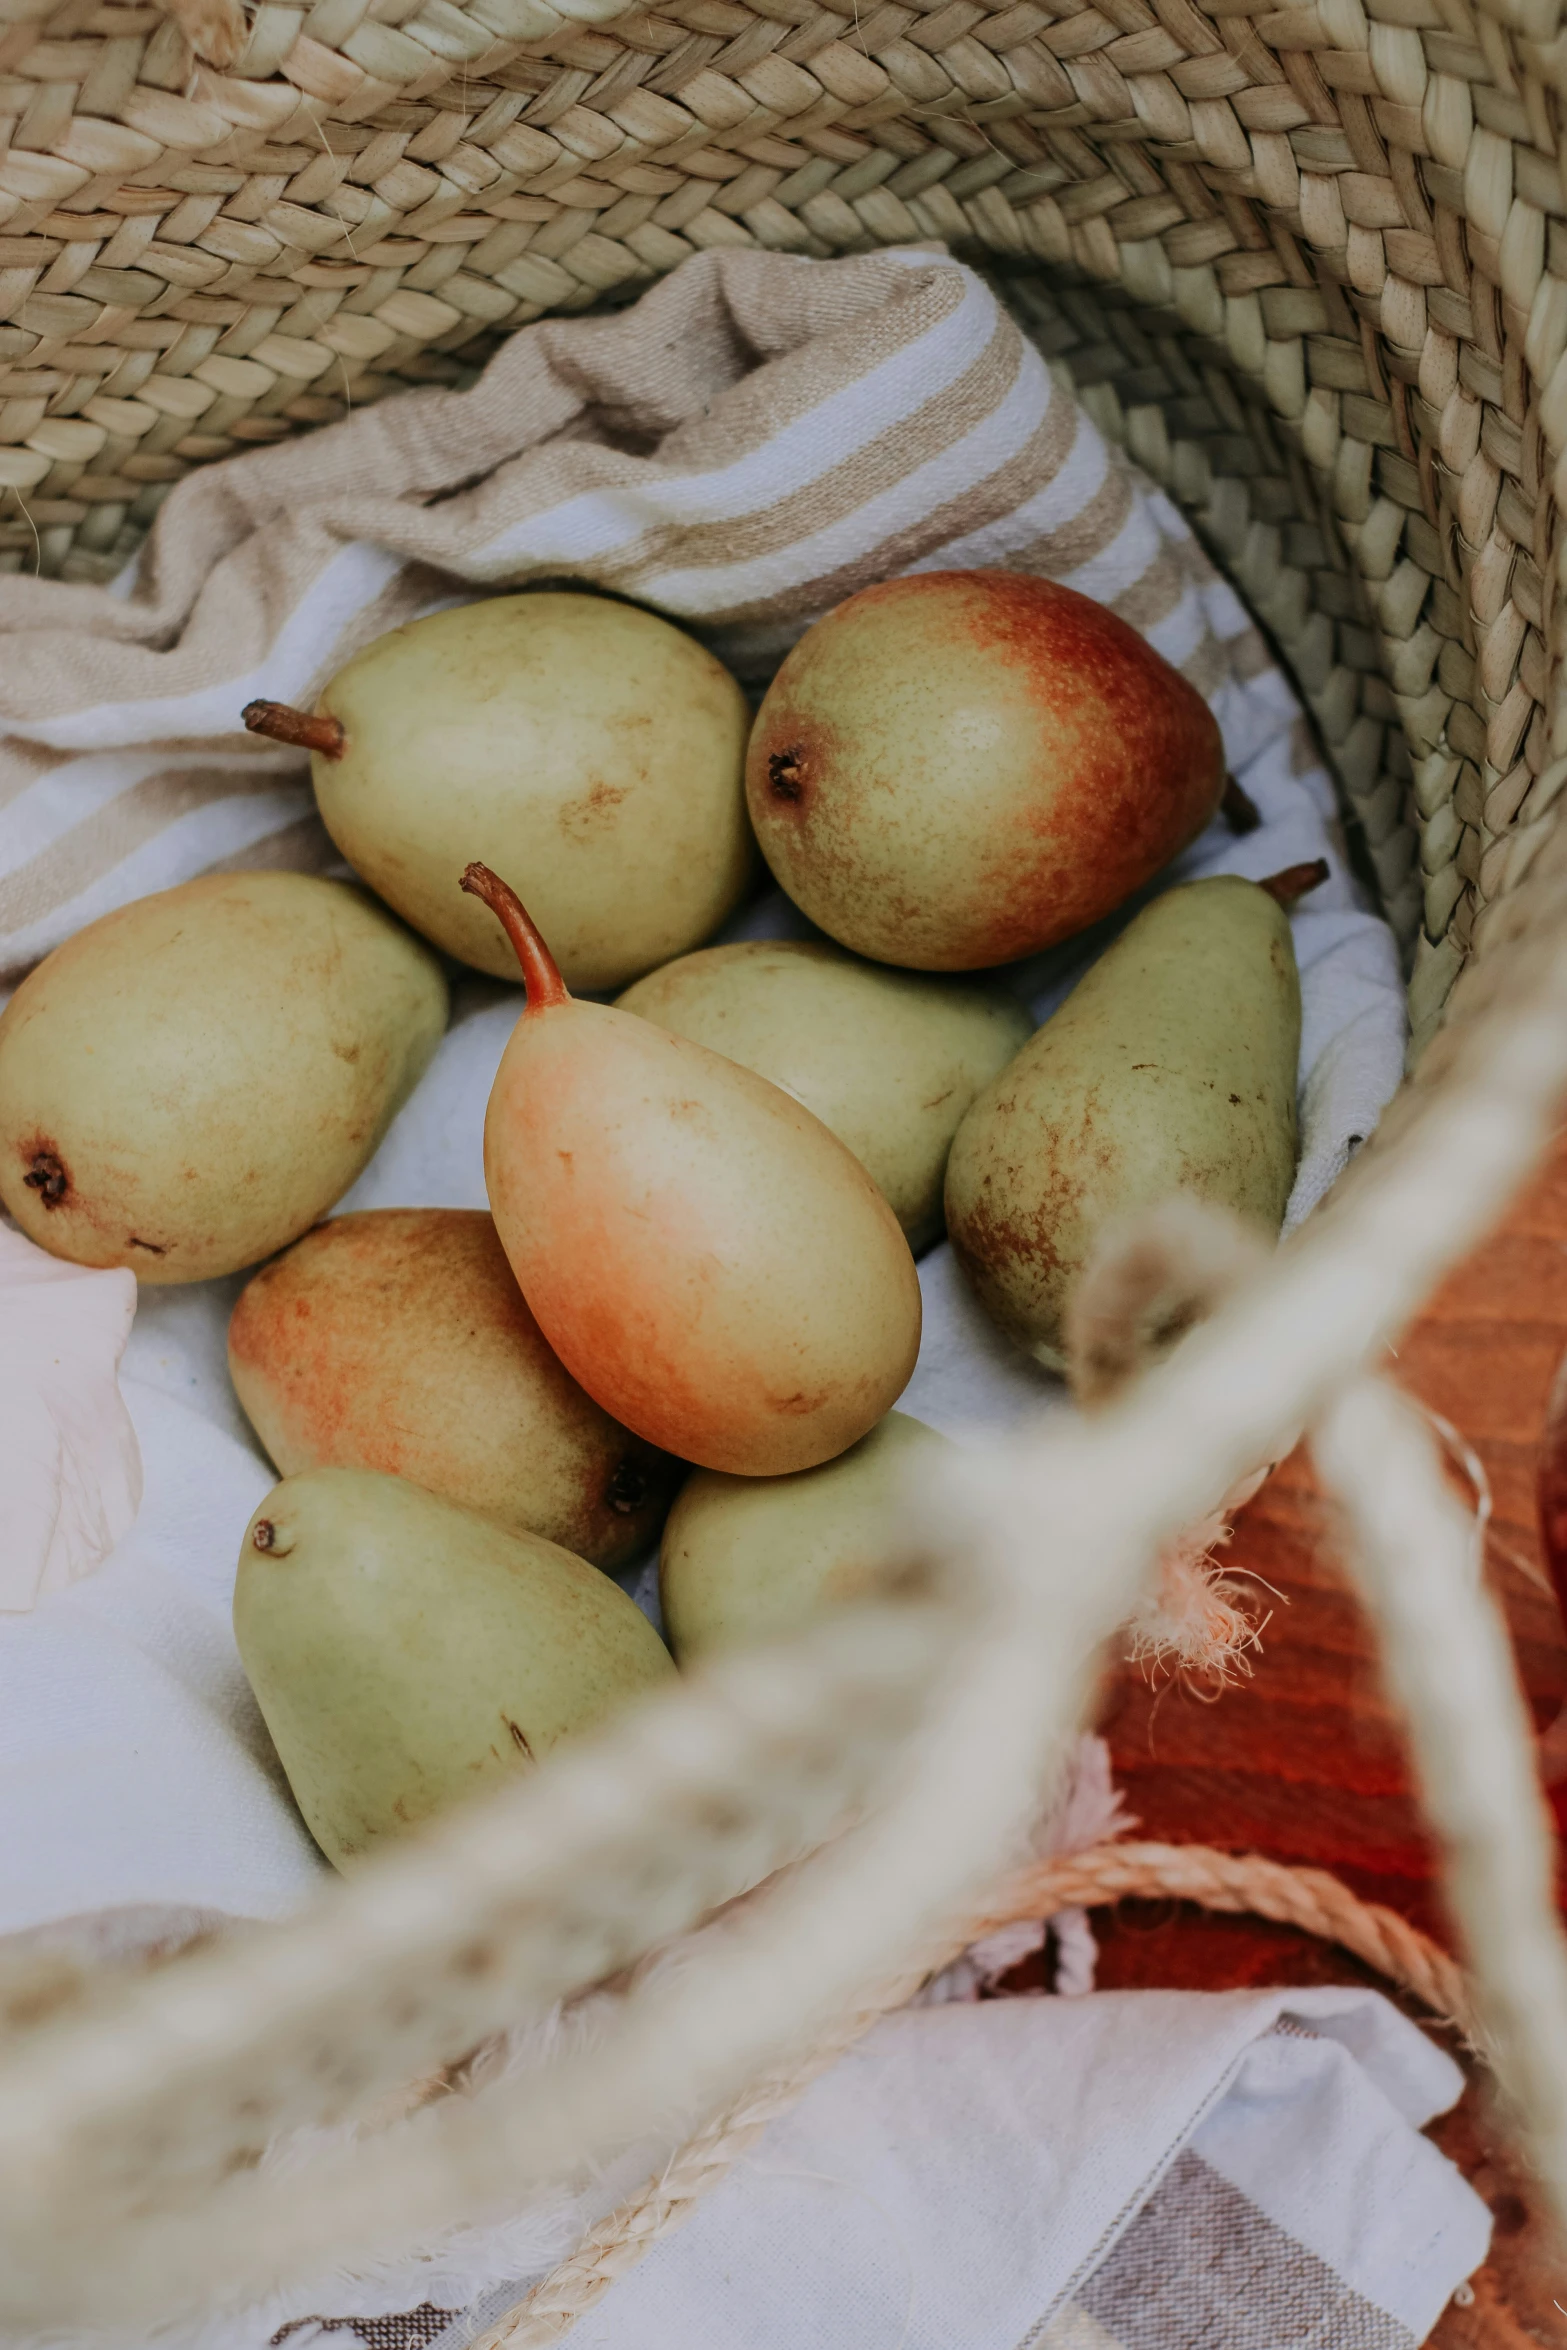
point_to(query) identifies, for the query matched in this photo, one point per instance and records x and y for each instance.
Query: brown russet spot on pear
(407, 1655)
(582, 741)
(47, 1173)
(959, 768)
(193, 1080)
(749, 1558)
(889, 1060)
(398, 1340)
(705, 1258)
(1170, 1068)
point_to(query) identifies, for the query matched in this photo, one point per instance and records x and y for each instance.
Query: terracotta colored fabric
(1304, 1762)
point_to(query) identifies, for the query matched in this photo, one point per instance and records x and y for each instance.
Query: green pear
(192, 1081)
(406, 1654)
(747, 1558)
(887, 1059)
(399, 1340)
(583, 742)
(1170, 1068)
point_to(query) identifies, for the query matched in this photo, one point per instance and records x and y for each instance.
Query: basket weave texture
(1338, 331)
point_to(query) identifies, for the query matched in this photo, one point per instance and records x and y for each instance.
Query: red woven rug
(1304, 1761)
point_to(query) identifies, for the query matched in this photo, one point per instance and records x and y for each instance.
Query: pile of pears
(693, 1303)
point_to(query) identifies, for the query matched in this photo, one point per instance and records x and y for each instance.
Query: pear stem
(540, 972)
(312, 730)
(1295, 881)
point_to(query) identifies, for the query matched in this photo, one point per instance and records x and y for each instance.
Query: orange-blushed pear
(706, 1259)
(397, 1339)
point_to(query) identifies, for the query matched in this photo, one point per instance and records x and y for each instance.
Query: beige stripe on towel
(755, 439)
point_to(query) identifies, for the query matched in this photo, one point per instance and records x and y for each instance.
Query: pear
(399, 1340)
(746, 1558)
(190, 1082)
(889, 1060)
(1170, 1068)
(962, 767)
(406, 1654)
(705, 1258)
(578, 740)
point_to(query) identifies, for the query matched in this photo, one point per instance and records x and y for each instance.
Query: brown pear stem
(1295, 881)
(1238, 808)
(312, 730)
(540, 972)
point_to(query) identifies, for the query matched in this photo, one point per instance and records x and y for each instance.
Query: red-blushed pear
(707, 1260)
(956, 769)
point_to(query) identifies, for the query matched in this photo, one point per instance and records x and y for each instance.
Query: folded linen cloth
(60, 1407)
(1140, 2170)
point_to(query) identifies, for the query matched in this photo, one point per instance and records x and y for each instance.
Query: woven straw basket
(1304, 264)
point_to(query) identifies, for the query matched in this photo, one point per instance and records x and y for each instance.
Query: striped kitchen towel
(756, 438)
